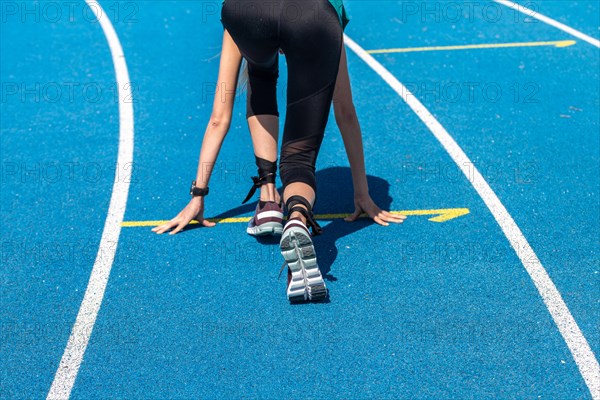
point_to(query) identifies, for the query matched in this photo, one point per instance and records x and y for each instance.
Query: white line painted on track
(549, 21)
(577, 343)
(88, 311)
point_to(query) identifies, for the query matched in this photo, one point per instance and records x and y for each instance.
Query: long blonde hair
(243, 77)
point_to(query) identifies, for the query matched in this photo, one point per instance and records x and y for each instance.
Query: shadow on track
(335, 195)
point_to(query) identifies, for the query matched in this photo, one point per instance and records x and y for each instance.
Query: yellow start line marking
(558, 43)
(439, 215)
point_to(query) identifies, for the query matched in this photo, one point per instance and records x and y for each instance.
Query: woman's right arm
(215, 133)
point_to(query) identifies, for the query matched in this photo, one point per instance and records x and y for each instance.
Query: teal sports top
(341, 10)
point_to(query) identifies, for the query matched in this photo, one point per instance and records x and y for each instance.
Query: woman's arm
(220, 119)
(215, 133)
(347, 121)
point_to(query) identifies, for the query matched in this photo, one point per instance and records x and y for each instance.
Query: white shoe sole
(299, 253)
(268, 228)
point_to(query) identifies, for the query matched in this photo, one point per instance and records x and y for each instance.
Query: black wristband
(198, 192)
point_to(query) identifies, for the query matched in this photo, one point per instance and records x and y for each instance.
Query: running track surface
(421, 310)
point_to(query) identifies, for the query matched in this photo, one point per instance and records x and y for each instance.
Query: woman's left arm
(347, 121)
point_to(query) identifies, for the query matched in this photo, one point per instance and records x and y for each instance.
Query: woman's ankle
(269, 193)
(297, 215)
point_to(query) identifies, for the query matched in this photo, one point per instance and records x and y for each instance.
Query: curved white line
(580, 349)
(549, 21)
(88, 311)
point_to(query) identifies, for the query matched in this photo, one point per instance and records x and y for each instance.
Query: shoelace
(281, 270)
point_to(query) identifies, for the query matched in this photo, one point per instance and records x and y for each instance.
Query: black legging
(310, 35)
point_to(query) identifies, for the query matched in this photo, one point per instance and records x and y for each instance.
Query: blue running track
(420, 310)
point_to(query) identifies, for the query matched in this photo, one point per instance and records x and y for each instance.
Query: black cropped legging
(310, 35)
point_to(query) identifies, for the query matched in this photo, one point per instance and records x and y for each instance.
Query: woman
(313, 62)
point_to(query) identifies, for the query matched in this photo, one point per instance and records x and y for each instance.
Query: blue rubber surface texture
(418, 310)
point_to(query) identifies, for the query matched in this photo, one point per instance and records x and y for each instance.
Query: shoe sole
(266, 229)
(299, 253)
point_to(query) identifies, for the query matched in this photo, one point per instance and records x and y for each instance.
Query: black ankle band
(293, 205)
(267, 172)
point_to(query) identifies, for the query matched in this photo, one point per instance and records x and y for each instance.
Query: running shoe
(267, 219)
(305, 281)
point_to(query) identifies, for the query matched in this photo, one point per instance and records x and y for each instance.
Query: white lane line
(86, 318)
(549, 21)
(578, 345)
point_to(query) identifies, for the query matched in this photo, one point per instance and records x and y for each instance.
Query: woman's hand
(366, 205)
(194, 210)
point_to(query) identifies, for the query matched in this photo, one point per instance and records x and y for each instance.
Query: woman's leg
(313, 63)
(264, 130)
(311, 41)
(253, 25)
(263, 123)
(312, 49)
